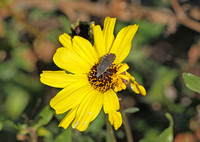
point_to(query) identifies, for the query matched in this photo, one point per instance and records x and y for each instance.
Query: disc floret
(104, 82)
(114, 78)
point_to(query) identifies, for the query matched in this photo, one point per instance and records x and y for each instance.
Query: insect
(106, 62)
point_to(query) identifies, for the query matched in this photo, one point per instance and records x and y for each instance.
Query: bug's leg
(108, 72)
(102, 76)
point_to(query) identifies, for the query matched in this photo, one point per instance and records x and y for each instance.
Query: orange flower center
(104, 82)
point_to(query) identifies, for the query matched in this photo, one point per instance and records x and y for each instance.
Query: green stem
(127, 127)
(110, 131)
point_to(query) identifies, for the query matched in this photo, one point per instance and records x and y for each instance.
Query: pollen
(74, 126)
(104, 82)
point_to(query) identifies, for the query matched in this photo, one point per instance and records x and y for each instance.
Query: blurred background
(166, 45)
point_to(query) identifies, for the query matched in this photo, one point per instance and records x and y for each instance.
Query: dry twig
(118, 8)
(183, 18)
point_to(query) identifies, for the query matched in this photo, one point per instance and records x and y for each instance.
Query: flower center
(104, 82)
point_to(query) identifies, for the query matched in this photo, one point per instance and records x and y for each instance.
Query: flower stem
(127, 127)
(110, 130)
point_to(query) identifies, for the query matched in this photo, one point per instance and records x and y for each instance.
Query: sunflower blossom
(84, 93)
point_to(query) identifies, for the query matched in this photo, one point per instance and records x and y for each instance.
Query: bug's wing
(106, 61)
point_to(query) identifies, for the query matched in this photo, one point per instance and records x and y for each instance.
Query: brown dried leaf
(182, 137)
(195, 13)
(30, 57)
(3, 55)
(194, 54)
(4, 12)
(44, 4)
(1, 28)
(22, 137)
(44, 49)
(198, 133)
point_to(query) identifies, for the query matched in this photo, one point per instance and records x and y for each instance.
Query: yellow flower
(84, 93)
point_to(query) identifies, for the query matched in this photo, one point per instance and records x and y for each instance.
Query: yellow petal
(85, 50)
(59, 79)
(70, 96)
(70, 61)
(124, 67)
(65, 40)
(122, 44)
(88, 110)
(126, 77)
(109, 24)
(123, 86)
(115, 119)
(135, 88)
(99, 42)
(110, 101)
(68, 118)
(142, 90)
(139, 89)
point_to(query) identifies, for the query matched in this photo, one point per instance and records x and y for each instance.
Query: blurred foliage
(165, 136)
(156, 60)
(131, 110)
(192, 82)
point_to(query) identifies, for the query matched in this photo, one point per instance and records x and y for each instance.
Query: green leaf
(12, 34)
(39, 14)
(27, 81)
(131, 110)
(65, 23)
(164, 76)
(1, 125)
(10, 125)
(61, 116)
(8, 70)
(192, 81)
(44, 117)
(16, 101)
(166, 135)
(52, 34)
(42, 131)
(19, 59)
(22, 128)
(147, 30)
(118, 26)
(65, 136)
